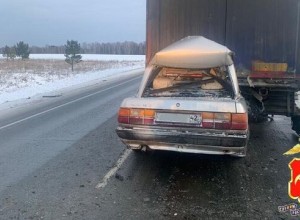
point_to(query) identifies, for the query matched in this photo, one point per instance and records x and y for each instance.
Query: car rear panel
(182, 104)
(186, 140)
(191, 125)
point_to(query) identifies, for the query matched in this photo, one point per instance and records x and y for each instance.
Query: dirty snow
(19, 86)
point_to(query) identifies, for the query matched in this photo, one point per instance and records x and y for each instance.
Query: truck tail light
(136, 116)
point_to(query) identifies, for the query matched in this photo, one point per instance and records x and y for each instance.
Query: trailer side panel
(255, 30)
(263, 30)
(170, 20)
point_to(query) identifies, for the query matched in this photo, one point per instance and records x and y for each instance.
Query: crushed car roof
(193, 52)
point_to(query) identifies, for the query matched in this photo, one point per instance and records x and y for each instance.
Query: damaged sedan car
(188, 101)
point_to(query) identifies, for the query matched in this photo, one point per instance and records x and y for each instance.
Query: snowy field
(44, 73)
(99, 57)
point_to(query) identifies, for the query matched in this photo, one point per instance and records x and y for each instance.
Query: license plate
(179, 118)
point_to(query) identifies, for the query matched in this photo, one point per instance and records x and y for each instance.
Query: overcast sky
(53, 22)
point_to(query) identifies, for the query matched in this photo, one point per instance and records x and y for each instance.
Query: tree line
(21, 50)
(71, 52)
(73, 49)
(127, 47)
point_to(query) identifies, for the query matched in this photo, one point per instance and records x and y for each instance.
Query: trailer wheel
(296, 124)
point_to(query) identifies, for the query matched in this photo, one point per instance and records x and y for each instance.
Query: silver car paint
(182, 104)
(186, 104)
(193, 52)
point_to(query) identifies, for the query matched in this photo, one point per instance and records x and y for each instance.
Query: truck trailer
(264, 36)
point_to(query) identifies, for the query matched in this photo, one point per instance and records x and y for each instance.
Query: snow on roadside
(18, 86)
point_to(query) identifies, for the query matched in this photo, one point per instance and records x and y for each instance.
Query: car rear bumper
(185, 140)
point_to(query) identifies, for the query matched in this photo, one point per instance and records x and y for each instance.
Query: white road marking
(113, 170)
(51, 109)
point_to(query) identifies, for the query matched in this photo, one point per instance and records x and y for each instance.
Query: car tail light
(210, 120)
(239, 121)
(136, 116)
(123, 116)
(222, 120)
(225, 121)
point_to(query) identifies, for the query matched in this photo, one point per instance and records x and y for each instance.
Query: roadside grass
(18, 73)
(58, 67)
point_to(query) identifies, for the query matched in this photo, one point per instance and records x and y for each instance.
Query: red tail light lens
(224, 121)
(123, 116)
(136, 116)
(239, 121)
(210, 120)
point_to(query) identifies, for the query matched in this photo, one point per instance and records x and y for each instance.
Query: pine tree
(6, 52)
(9, 52)
(12, 53)
(72, 50)
(22, 50)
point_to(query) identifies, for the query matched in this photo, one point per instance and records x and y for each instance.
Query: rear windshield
(171, 82)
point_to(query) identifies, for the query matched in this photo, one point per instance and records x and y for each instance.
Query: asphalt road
(55, 152)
